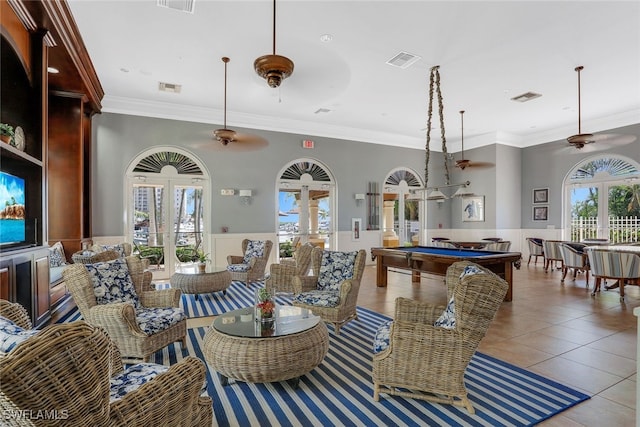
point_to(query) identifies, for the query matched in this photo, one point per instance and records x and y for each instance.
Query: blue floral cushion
(157, 319)
(319, 298)
(119, 249)
(470, 270)
(136, 375)
(381, 338)
(336, 267)
(57, 257)
(448, 317)
(112, 282)
(255, 249)
(11, 334)
(238, 268)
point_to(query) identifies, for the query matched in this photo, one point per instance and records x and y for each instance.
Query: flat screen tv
(14, 228)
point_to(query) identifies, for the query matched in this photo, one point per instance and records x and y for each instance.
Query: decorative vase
(202, 267)
(265, 308)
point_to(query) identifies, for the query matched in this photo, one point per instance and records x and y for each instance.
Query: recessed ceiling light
(52, 70)
(124, 70)
(326, 38)
(322, 110)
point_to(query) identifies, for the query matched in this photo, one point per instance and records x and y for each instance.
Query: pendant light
(274, 68)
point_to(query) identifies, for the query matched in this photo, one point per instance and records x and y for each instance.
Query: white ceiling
(488, 52)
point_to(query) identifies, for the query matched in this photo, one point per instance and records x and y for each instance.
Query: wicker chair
(119, 319)
(281, 275)
(91, 257)
(337, 303)
(535, 249)
(431, 360)
(251, 265)
(574, 257)
(16, 313)
(65, 369)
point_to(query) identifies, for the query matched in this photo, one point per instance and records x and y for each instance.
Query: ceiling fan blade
(242, 142)
(479, 165)
(599, 142)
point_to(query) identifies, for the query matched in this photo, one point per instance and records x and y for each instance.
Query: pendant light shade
(462, 192)
(274, 68)
(436, 195)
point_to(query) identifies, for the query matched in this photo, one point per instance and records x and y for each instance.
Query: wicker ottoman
(296, 348)
(202, 283)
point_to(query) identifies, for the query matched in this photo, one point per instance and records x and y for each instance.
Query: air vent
(528, 96)
(181, 5)
(169, 87)
(322, 110)
(403, 60)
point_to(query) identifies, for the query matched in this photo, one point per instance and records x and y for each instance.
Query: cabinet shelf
(12, 152)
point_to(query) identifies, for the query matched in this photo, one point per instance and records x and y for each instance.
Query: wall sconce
(245, 196)
(359, 197)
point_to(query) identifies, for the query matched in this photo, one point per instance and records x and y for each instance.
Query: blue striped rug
(339, 391)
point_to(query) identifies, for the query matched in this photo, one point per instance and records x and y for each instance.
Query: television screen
(12, 210)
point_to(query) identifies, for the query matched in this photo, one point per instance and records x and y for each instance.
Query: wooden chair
(332, 291)
(251, 265)
(552, 254)
(281, 275)
(535, 249)
(68, 367)
(120, 319)
(614, 264)
(425, 361)
(574, 257)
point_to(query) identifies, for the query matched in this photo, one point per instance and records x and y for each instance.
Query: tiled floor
(559, 331)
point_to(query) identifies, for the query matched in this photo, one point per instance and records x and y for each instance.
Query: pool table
(429, 259)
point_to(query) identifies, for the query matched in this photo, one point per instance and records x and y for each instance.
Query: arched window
(167, 207)
(306, 205)
(401, 212)
(602, 199)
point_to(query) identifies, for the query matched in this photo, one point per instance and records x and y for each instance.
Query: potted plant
(6, 133)
(203, 259)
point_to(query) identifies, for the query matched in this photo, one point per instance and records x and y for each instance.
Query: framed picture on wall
(541, 213)
(356, 228)
(473, 208)
(540, 195)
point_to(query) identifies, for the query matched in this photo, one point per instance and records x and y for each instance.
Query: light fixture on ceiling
(439, 196)
(274, 68)
(580, 139)
(462, 192)
(226, 135)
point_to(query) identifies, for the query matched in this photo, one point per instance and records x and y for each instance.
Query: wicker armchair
(16, 313)
(120, 319)
(281, 277)
(65, 369)
(429, 359)
(91, 257)
(251, 265)
(333, 302)
(574, 257)
(535, 249)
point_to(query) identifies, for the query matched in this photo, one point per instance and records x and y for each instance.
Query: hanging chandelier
(274, 68)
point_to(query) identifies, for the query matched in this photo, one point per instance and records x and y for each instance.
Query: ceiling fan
(464, 163)
(226, 136)
(580, 140)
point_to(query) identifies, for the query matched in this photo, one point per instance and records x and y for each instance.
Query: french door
(167, 222)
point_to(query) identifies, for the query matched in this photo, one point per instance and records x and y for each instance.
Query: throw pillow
(112, 282)
(448, 317)
(381, 338)
(11, 334)
(57, 257)
(335, 268)
(255, 249)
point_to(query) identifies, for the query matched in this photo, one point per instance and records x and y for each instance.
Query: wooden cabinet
(25, 273)
(55, 111)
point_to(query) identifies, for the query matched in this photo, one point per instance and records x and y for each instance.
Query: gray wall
(507, 187)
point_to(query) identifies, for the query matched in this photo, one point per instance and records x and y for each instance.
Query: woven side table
(234, 350)
(202, 283)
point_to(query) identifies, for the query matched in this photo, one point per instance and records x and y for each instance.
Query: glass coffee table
(191, 281)
(238, 347)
